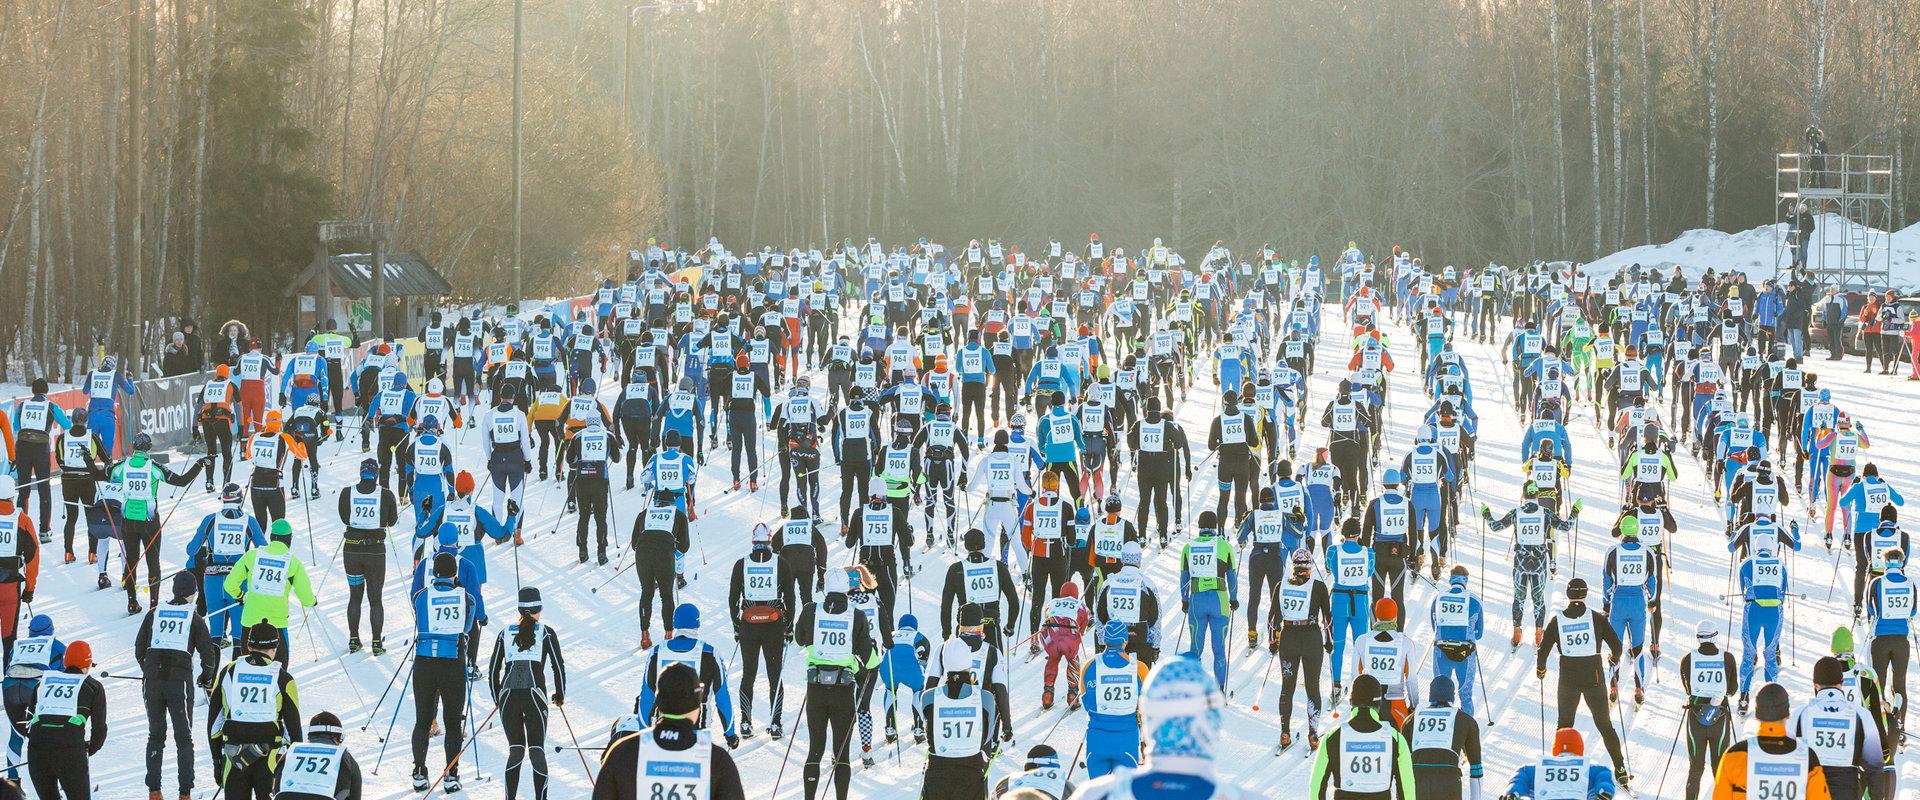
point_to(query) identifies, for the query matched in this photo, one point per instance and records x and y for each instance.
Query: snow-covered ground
(601, 639)
(1756, 251)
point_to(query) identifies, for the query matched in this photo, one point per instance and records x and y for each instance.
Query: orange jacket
(1730, 779)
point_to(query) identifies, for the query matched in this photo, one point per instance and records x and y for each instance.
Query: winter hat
(686, 620)
(762, 534)
(972, 615)
(1070, 589)
(1385, 609)
(1567, 740)
(446, 565)
(1114, 632)
(281, 529)
(677, 690)
(1042, 756)
(974, 540)
(1207, 521)
(1180, 706)
(326, 723)
(1707, 631)
(956, 655)
(1366, 691)
(1130, 553)
(185, 584)
(448, 535)
(369, 469)
(908, 622)
(1842, 638)
(838, 581)
(463, 483)
(1440, 690)
(529, 598)
(40, 625)
(263, 635)
(1771, 704)
(1577, 589)
(79, 655)
(1828, 671)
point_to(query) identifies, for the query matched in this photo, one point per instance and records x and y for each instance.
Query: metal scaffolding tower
(1851, 200)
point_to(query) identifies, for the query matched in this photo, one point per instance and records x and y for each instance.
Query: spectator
(1766, 313)
(176, 360)
(1869, 317)
(1796, 314)
(1816, 157)
(1891, 327)
(1800, 235)
(196, 351)
(1833, 314)
(232, 343)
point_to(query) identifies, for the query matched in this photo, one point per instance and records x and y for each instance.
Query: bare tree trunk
(135, 346)
(1646, 131)
(197, 303)
(36, 168)
(1818, 74)
(1713, 106)
(1559, 128)
(1619, 194)
(346, 89)
(886, 115)
(1593, 132)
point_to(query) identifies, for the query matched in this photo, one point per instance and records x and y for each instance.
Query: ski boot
(736, 486)
(1073, 701)
(104, 583)
(133, 607)
(378, 648)
(773, 731)
(92, 557)
(1744, 704)
(1273, 643)
(1539, 636)
(1286, 739)
(753, 486)
(221, 643)
(603, 558)
(1639, 696)
(353, 644)
(1033, 650)
(583, 555)
(746, 728)
(866, 758)
(1621, 777)
(1516, 637)
(293, 492)
(451, 785)
(919, 733)
(1046, 698)
(419, 779)
(892, 732)
(69, 557)
(1253, 640)
(679, 582)
(646, 643)
(1313, 737)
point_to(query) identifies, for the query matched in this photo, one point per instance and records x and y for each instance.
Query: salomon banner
(165, 409)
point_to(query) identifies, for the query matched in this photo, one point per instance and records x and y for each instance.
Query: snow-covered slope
(1753, 251)
(598, 628)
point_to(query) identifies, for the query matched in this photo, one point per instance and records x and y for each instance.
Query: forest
(170, 158)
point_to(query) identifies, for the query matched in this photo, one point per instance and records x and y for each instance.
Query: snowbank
(1752, 251)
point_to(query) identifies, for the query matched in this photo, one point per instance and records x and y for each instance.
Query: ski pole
(390, 682)
(455, 761)
(577, 748)
(1671, 746)
(388, 736)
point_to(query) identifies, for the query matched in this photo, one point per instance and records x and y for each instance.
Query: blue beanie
(449, 534)
(41, 625)
(1441, 689)
(686, 618)
(1114, 632)
(909, 622)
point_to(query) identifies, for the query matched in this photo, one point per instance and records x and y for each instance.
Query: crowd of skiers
(983, 409)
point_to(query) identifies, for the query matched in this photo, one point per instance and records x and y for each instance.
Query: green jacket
(139, 479)
(269, 604)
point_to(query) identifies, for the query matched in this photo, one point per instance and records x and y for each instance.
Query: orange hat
(1385, 608)
(79, 655)
(463, 483)
(273, 420)
(740, 361)
(1565, 740)
(222, 371)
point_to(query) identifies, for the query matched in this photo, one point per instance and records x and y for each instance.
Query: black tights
(523, 716)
